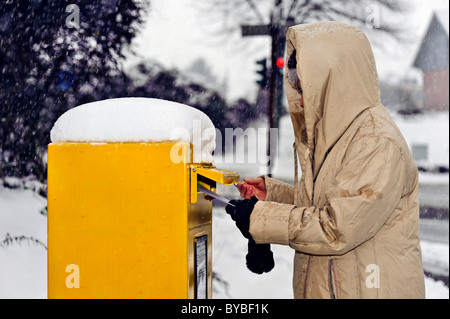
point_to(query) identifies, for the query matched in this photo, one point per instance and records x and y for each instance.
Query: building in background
(433, 59)
(419, 100)
(404, 96)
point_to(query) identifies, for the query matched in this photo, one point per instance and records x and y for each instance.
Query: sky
(175, 35)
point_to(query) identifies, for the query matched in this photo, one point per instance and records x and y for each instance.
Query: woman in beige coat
(353, 219)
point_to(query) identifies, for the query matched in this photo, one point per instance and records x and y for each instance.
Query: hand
(253, 187)
(259, 258)
(241, 212)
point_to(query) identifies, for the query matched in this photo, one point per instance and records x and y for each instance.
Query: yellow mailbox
(124, 219)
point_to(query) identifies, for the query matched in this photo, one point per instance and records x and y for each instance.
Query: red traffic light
(280, 62)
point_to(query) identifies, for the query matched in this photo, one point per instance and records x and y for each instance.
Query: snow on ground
(435, 257)
(429, 131)
(23, 264)
(23, 272)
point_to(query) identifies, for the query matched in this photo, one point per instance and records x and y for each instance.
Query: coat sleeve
(278, 191)
(366, 190)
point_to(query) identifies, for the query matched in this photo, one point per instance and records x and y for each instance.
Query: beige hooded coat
(354, 218)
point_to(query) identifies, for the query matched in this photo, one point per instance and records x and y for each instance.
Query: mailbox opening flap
(208, 176)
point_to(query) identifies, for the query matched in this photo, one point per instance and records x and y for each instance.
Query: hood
(337, 71)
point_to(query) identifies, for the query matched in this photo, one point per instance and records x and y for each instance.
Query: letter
(197, 137)
(73, 19)
(373, 19)
(264, 308)
(176, 156)
(229, 145)
(184, 309)
(228, 308)
(248, 135)
(208, 141)
(178, 153)
(244, 308)
(218, 155)
(263, 157)
(373, 279)
(192, 309)
(73, 280)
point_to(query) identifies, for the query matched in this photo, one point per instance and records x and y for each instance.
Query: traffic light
(263, 72)
(280, 62)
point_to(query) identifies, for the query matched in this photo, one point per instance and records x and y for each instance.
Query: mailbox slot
(208, 176)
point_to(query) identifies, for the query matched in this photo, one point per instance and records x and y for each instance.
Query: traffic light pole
(277, 33)
(273, 107)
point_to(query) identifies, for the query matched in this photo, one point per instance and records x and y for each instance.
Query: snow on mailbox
(125, 218)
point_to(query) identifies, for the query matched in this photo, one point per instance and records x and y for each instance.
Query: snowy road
(434, 230)
(434, 195)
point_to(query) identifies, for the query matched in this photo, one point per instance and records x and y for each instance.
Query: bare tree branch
(293, 4)
(255, 9)
(225, 17)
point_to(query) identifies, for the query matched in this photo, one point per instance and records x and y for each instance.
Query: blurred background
(222, 57)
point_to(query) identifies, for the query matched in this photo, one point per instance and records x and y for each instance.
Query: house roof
(433, 53)
(443, 17)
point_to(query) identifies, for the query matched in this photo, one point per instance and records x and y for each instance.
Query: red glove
(253, 187)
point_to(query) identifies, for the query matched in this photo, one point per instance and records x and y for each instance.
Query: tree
(154, 81)
(53, 56)
(362, 13)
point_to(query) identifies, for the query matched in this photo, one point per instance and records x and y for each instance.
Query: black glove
(260, 257)
(241, 212)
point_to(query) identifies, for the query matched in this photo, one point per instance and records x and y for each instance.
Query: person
(353, 218)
